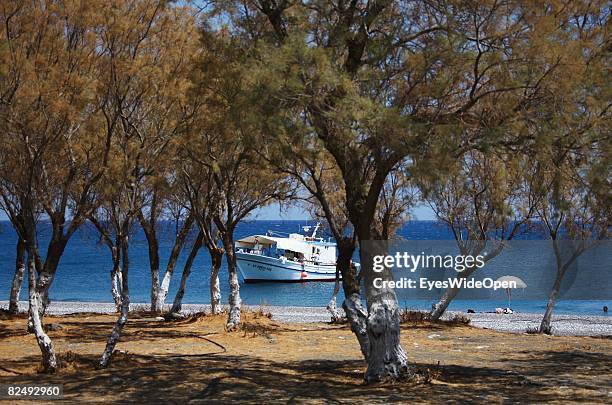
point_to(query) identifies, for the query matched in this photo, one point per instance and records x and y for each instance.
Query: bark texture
(215, 288)
(116, 277)
(546, 323)
(155, 291)
(353, 307)
(177, 304)
(17, 277)
(387, 358)
(125, 308)
(449, 295)
(49, 360)
(441, 306)
(234, 301)
(331, 305)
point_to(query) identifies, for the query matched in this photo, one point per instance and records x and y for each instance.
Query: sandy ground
(270, 361)
(563, 325)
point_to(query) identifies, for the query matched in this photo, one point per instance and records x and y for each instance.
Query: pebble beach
(563, 325)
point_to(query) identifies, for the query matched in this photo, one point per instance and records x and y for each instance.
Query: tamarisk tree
(53, 153)
(202, 200)
(224, 147)
(484, 202)
(381, 83)
(146, 46)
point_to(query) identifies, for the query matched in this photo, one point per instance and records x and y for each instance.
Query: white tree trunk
(386, 357)
(116, 332)
(353, 307)
(331, 305)
(17, 278)
(49, 360)
(116, 286)
(215, 288)
(125, 308)
(163, 290)
(155, 291)
(178, 298)
(357, 317)
(234, 301)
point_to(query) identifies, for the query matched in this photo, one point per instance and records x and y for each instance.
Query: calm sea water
(84, 269)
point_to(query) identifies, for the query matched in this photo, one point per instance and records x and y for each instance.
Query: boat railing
(277, 233)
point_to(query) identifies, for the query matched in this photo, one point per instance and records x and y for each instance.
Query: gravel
(567, 325)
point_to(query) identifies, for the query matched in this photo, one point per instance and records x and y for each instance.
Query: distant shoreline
(564, 325)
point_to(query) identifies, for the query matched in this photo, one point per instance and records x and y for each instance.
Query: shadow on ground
(269, 362)
(222, 378)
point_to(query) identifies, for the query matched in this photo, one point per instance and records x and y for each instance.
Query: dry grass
(422, 318)
(5, 315)
(196, 360)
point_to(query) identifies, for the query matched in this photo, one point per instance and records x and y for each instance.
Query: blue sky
(273, 212)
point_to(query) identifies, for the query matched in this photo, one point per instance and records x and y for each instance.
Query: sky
(273, 212)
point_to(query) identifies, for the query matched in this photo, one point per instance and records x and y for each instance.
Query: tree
(569, 141)
(484, 202)
(150, 224)
(202, 200)
(380, 83)
(147, 47)
(107, 221)
(224, 148)
(53, 155)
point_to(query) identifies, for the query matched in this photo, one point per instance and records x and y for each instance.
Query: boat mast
(314, 233)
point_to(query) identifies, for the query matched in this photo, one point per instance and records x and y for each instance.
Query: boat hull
(256, 268)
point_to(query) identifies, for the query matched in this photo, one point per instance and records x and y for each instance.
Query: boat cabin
(296, 247)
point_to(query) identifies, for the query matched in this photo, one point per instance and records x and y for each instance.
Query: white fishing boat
(296, 257)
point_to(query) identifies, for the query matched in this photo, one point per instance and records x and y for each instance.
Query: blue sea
(83, 274)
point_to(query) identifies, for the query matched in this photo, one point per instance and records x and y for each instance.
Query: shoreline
(563, 325)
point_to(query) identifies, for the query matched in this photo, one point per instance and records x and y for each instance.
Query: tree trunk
(562, 266)
(234, 301)
(18, 277)
(546, 324)
(155, 291)
(440, 307)
(49, 361)
(125, 308)
(162, 292)
(216, 256)
(116, 277)
(179, 242)
(150, 232)
(331, 306)
(178, 298)
(387, 358)
(353, 307)
(47, 275)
